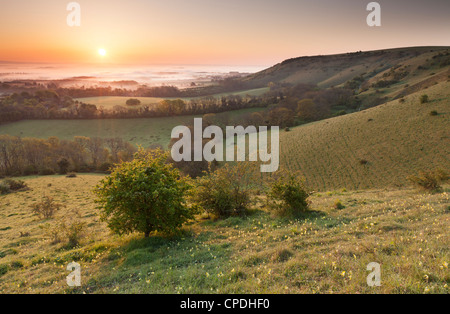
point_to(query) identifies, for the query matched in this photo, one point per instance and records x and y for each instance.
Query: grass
(145, 132)
(326, 251)
(336, 70)
(374, 148)
(108, 102)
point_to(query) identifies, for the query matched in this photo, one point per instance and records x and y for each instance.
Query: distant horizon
(111, 64)
(180, 75)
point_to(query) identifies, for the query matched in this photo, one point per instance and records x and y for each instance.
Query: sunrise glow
(102, 52)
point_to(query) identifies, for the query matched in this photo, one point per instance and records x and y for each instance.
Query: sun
(102, 52)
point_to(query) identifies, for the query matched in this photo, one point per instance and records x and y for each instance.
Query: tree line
(32, 156)
(48, 104)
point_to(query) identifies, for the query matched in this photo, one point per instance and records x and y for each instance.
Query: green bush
(70, 231)
(133, 102)
(30, 170)
(144, 195)
(226, 191)
(3, 269)
(338, 205)
(287, 195)
(424, 99)
(4, 188)
(15, 185)
(17, 264)
(74, 233)
(63, 165)
(106, 167)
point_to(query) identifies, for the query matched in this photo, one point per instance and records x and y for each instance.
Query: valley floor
(327, 251)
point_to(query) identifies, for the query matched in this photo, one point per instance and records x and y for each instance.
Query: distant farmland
(144, 132)
(108, 102)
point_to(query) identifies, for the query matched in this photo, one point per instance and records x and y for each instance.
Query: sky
(212, 32)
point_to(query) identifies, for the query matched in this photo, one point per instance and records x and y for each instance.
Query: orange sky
(253, 32)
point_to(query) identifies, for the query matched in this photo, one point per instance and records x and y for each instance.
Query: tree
(307, 109)
(144, 195)
(281, 117)
(115, 145)
(95, 147)
(63, 165)
(133, 102)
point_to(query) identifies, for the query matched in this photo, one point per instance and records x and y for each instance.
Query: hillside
(378, 147)
(327, 252)
(334, 70)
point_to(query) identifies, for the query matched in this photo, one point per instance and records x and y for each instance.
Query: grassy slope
(400, 140)
(333, 70)
(328, 251)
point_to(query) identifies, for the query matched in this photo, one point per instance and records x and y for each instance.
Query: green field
(144, 132)
(326, 252)
(109, 102)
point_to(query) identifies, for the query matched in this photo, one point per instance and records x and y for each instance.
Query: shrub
(30, 170)
(442, 175)
(55, 232)
(224, 192)
(15, 185)
(63, 165)
(424, 99)
(133, 102)
(429, 180)
(85, 169)
(3, 269)
(144, 195)
(287, 195)
(4, 188)
(74, 233)
(341, 113)
(46, 208)
(363, 162)
(106, 167)
(433, 113)
(282, 255)
(17, 264)
(338, 205)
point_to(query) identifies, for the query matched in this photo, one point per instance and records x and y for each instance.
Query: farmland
(144, 132)
(109, 102)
